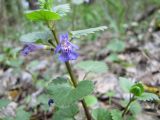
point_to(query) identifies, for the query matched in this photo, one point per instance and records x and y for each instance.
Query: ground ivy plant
(66, 93)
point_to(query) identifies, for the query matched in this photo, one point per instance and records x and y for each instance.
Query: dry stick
(150, 29)
(74, 81)
(150, 11)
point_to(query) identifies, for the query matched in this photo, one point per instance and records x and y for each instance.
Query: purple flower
(66, 49)
(50, 102)
(31, 47)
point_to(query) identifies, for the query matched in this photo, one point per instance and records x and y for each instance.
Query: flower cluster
(31, 47)
(65, 49)
(50, 102)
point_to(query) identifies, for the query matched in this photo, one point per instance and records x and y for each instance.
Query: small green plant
(9, 58)
(137, 93)
(64, 94)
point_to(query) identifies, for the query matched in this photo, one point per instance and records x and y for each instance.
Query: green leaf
(93, 66)
(8, 118)
(60, 80)
(22, 115)
(60, 93)
(148, 97)
(131, 118)
(64, 95)
(62, 10)
(2, 57)
(116, 114)
(36, 36)
(43, 100)
(137, 89)
(111, 93)
(66, 113)
(116, 46)
(113, 57)
(85, 32)
(42, 15)
(4, 102)
(101, 114)
(135, 107)
(90, 100)
(14, 62)
(83, 89)
(125, 84)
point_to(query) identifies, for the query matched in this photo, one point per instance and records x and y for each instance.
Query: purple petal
(58, 48)
(74, 46)
(30, 47)
(64, 57)
(73, 55)
(66, 49)
(25, 51)
(64, 37)
(61, 38)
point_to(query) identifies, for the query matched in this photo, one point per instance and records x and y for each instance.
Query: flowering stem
(68, 66)
(74, 81)
(55, 36)
(126, 108)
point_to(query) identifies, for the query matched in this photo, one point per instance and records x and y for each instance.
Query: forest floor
(140, 61)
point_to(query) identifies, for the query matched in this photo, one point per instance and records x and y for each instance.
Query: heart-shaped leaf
(66, 113)
(93, 66)
(63, 94)
(33, 37)
(42, 15)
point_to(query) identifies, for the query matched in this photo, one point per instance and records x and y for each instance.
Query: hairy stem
(126, 108)
(73, 79)
(55, 36)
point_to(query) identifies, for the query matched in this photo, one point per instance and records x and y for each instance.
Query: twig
(150, 11)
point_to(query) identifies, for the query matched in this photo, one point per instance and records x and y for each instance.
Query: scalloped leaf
(83, 89)
(36, 37)
(125, 84)
(22, 115)
(59, 80)
(66, 113)
(101, 114)
(135, 108)
(93, 66)
(116, 114)
(63, 94)
(59, 93)
(90, 100)
(148, 97)
(85, 32)
(42, 15)
(4, 102)
(7, 118)
(62, 10)
(116, 45)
